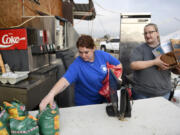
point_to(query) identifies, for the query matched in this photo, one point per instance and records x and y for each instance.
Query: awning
(84, 11)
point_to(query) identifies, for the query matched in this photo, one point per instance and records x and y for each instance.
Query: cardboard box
(172, 58)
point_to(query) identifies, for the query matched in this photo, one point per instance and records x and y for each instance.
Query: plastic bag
(48, 121)
(24, 125)
(15, 109)
(104, 91)
(4, 122)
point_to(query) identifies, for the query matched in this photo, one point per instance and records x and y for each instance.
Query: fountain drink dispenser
(25, 49)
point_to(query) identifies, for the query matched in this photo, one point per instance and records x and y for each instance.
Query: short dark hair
(85, 41)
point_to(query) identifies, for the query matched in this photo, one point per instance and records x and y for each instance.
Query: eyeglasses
(149, 32)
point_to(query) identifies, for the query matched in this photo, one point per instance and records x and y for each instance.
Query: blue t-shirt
(88, 77)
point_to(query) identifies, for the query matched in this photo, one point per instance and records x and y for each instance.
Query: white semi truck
(131, 35)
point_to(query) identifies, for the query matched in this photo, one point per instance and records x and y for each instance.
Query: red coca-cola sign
(11, 39)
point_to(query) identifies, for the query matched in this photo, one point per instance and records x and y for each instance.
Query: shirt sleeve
(72, 73)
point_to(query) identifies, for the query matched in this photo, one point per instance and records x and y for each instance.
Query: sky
(165, 13)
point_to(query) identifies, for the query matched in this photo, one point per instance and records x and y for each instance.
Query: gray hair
(155, 27)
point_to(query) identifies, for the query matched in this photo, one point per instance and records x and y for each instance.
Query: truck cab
(110, 45)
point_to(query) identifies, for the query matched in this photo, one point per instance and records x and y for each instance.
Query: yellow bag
(15, 109)
(4, 122)
(24, 125)
(48, 121)
(3, 130)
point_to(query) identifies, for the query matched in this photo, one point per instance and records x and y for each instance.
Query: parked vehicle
(111, 45)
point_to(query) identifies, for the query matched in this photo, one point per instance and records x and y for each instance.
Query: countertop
(153, 116)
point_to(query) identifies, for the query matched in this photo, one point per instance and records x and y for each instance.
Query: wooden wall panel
(67, 9)
(11, 11)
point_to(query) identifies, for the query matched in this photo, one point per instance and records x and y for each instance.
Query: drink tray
(13, 77)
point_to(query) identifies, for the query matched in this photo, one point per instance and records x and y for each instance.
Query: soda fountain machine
(26, 50)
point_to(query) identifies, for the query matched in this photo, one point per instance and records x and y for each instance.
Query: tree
(107, 36)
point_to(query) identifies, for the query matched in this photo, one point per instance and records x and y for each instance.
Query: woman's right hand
(49, 99)
(61, 85)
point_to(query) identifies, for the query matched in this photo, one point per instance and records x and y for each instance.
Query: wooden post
(2, 64)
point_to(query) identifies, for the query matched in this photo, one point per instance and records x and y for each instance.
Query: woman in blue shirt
(87, 72)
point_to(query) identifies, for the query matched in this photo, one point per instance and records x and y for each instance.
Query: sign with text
(11, 39)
